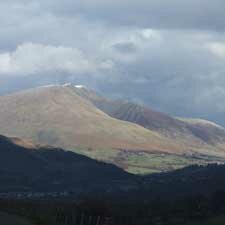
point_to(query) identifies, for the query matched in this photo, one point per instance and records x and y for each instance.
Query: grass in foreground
(214, 221)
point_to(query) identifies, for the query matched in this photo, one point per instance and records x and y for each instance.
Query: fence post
(82, 219)
(107, 220)
(74, 218)
(89, 220)
(98, 220)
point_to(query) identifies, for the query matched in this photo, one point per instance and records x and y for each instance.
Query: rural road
(6, 219)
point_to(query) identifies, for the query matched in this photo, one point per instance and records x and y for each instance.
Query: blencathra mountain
(131, 136)
(57, 116)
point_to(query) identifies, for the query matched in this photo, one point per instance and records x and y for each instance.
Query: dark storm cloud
(167, 54)
(197, 14)
(125, 47)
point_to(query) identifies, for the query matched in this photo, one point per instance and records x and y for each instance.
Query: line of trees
(118, 212)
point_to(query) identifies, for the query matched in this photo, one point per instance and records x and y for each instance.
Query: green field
(142, 162)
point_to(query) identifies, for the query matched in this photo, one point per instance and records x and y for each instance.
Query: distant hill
(187, 131)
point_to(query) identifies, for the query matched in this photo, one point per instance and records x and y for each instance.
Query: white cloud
(167, 53)
(33, 58)
(217, 48)
(151, 34)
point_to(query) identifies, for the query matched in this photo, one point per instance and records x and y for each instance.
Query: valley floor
(140, 162)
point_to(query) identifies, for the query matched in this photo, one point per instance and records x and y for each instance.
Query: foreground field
(214, 221)
(6, 219)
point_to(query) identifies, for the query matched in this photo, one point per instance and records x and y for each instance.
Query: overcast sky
(168, 54)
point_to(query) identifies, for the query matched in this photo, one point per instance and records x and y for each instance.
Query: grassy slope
(57, 116)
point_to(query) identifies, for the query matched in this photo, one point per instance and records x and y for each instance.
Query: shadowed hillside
(48, 169)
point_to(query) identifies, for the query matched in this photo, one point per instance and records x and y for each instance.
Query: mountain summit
(57, 116)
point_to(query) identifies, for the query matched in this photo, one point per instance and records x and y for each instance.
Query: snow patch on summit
(79, 86)
(67, 84)
(63, 85)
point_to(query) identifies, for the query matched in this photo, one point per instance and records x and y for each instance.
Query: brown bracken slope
(195, 134)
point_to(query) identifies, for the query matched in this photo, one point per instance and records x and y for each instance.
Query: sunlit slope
(57, 116)
(208, 131)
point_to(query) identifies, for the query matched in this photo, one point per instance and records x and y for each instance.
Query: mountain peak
(67, 85)
(58, 116)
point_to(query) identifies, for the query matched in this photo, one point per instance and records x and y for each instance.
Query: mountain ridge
(44, 106)
(172, 127)
(64, 116)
